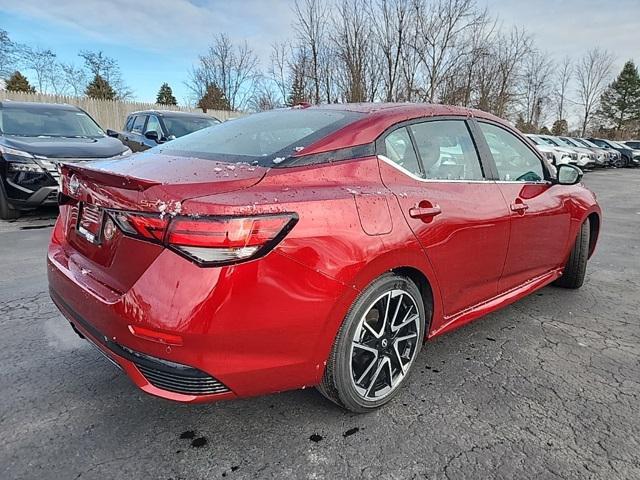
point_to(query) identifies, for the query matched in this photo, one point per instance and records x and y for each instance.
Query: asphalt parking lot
(546, 388)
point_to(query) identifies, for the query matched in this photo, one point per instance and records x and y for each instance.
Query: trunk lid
(150, 182)
(147, 183)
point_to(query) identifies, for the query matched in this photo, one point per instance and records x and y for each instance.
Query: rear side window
(399, 150)
(447, 150)
(514, 160)
(263, 138)
(138, 123)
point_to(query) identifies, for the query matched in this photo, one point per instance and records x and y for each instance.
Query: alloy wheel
(384, 344)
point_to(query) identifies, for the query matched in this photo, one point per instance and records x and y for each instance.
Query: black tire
(576, 267)
(7, 212)
(339, 383)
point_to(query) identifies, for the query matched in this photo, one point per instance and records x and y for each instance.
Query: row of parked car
(588, 152)
(35, 136)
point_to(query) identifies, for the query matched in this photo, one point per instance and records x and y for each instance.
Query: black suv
(34, 137)
(148, 128)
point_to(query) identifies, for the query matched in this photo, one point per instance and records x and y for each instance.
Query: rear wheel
(7, 212)
(376, 346)
(576, 267)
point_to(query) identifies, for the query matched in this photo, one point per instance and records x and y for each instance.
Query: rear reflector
(211, 240)
(156, 336)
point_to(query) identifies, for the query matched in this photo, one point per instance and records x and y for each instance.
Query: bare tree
(536, 87)
(592, 74)
(353, 44)
(278, 69)
(42, 62)
(442, 25)
(391, 22)
(311, 16)
(231, 68)
(9, 53)
(75, 78)
(564, 73)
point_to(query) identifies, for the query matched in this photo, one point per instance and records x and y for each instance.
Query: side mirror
(152, 135)
(112, 133)
(568, 174)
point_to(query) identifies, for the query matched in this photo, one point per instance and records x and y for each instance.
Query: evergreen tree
(620, 102)
(19, 83)
(560, 127)
(214, 99)
(99, 88)
(297, 94)
(165, 95)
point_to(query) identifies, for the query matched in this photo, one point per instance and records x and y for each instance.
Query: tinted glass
(153, 125)
(129, 124)
(399, 150)
(264, 138)
(47, 122)
(514, 160)
(138, 123)
(447, 151)
(181, 126)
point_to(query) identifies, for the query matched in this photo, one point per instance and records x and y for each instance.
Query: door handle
(519, 207)
(425, 212)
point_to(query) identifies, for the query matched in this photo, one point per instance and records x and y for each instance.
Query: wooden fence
(108, 113)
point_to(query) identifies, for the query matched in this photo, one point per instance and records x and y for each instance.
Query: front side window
(399, 150)
(153, 125)
(447, 150)
(514, 160)
(138, 124)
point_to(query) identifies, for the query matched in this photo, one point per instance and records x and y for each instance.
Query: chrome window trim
(428, 180)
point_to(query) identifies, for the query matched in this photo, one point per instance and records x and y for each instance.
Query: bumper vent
(180, 383)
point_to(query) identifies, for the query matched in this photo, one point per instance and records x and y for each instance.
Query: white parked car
(586, 158)
(560, 154)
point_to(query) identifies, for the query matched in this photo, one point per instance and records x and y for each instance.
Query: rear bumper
(262, 329)
(154, 376)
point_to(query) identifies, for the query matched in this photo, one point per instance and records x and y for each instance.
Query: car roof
(10, 104)
(377, 117)
(410, 108)
(171, 113)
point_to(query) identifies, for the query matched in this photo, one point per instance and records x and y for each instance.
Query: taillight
(211, 240)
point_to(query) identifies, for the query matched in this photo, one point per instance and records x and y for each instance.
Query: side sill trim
(497, 302)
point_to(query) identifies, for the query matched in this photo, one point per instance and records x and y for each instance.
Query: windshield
(262, 138)
(181, 126)
(586, 143)
(571, 142)
(548, 141)
(47, 122)
(562, 142)
(535, 140)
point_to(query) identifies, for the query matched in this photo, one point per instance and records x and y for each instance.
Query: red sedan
(312, 246)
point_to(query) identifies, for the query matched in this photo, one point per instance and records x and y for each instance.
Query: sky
(158, 41)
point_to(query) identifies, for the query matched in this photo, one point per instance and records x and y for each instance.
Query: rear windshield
(47, 122)
(181, 126)
(262, 138)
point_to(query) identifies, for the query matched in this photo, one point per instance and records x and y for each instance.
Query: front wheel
(576, 267)
(376, 346)
(7, 212)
